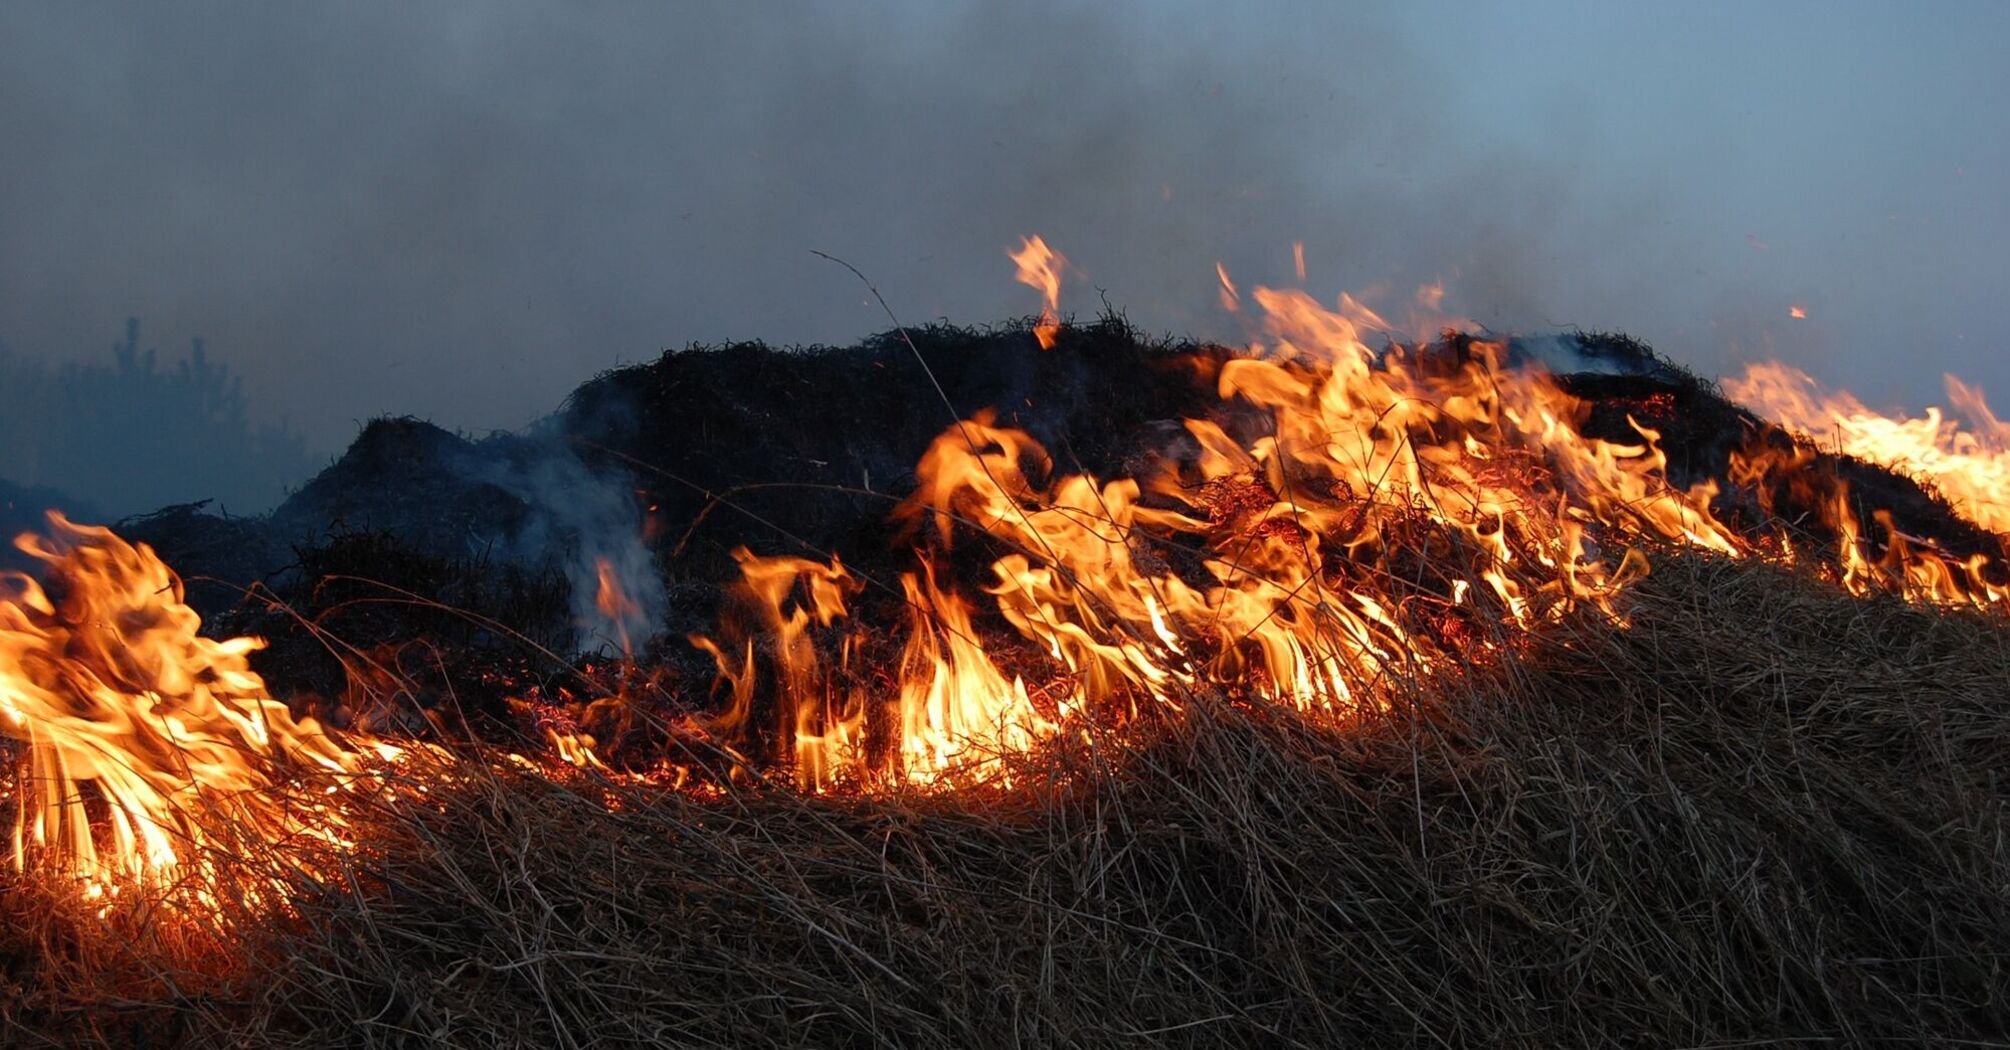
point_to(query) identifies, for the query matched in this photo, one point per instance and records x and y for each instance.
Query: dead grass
(1763, 814)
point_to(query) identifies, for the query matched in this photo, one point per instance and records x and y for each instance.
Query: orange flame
(1040, 268)
(614, 603)
(1302, 530)
(1231, 300)
(150, 751)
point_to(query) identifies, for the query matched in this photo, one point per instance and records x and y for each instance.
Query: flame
(1231, 300)
(151, 753)
(1871, 553)
(1040, 268)
(1798, 313)
(959, 717)
(955, 715)
(1969, 465)
(613, 602)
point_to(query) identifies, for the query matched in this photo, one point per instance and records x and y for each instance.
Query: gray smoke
(459, 210)
(588, 521)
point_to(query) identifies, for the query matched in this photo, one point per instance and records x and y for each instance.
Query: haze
(461, 210)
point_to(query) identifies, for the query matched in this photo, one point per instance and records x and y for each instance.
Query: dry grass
(1765, 813)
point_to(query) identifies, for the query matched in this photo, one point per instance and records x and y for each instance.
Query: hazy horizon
(463, 210)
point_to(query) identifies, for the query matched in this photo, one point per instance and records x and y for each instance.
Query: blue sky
(460, 210)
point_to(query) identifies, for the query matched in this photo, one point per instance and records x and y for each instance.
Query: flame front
(1970, 466)
(1394, 512)
(1355, 518)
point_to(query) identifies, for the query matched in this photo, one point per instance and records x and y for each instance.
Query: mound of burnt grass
(441, 561)
(798, 450)
(1762, 812)
(806, 450)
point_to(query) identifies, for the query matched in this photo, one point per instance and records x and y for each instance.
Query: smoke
(1573, 353)
(588, 520)
(458, 211)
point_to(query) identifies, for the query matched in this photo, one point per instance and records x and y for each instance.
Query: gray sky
(461, 209)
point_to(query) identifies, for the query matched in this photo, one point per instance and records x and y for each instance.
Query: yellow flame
(149, 749)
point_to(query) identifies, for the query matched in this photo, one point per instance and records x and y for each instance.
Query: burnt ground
(806, 450)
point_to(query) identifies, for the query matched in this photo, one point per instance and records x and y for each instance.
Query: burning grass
(1345, 710)
(1760, 810)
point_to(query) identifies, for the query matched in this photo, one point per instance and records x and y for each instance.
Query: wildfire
(1040, 268)
(1368, 515)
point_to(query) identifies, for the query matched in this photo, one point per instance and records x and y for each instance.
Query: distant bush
(138, 434)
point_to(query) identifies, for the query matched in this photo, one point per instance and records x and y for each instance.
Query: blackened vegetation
(803, 451)
(421, 537)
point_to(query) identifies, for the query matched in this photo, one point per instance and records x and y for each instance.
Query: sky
(460, 210)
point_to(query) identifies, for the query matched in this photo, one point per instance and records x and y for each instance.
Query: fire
(1798, 313)
(150, 754)
(1362, 514)
(955, 713)
(1040, 268)
(1870, 556)
(1969, 465)
(1231, 300)
(1399, 511)
(615, 606)
(1395, 507)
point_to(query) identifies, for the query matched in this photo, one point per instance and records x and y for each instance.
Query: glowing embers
(151, 755)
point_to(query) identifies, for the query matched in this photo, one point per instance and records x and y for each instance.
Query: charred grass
(1763, 812)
